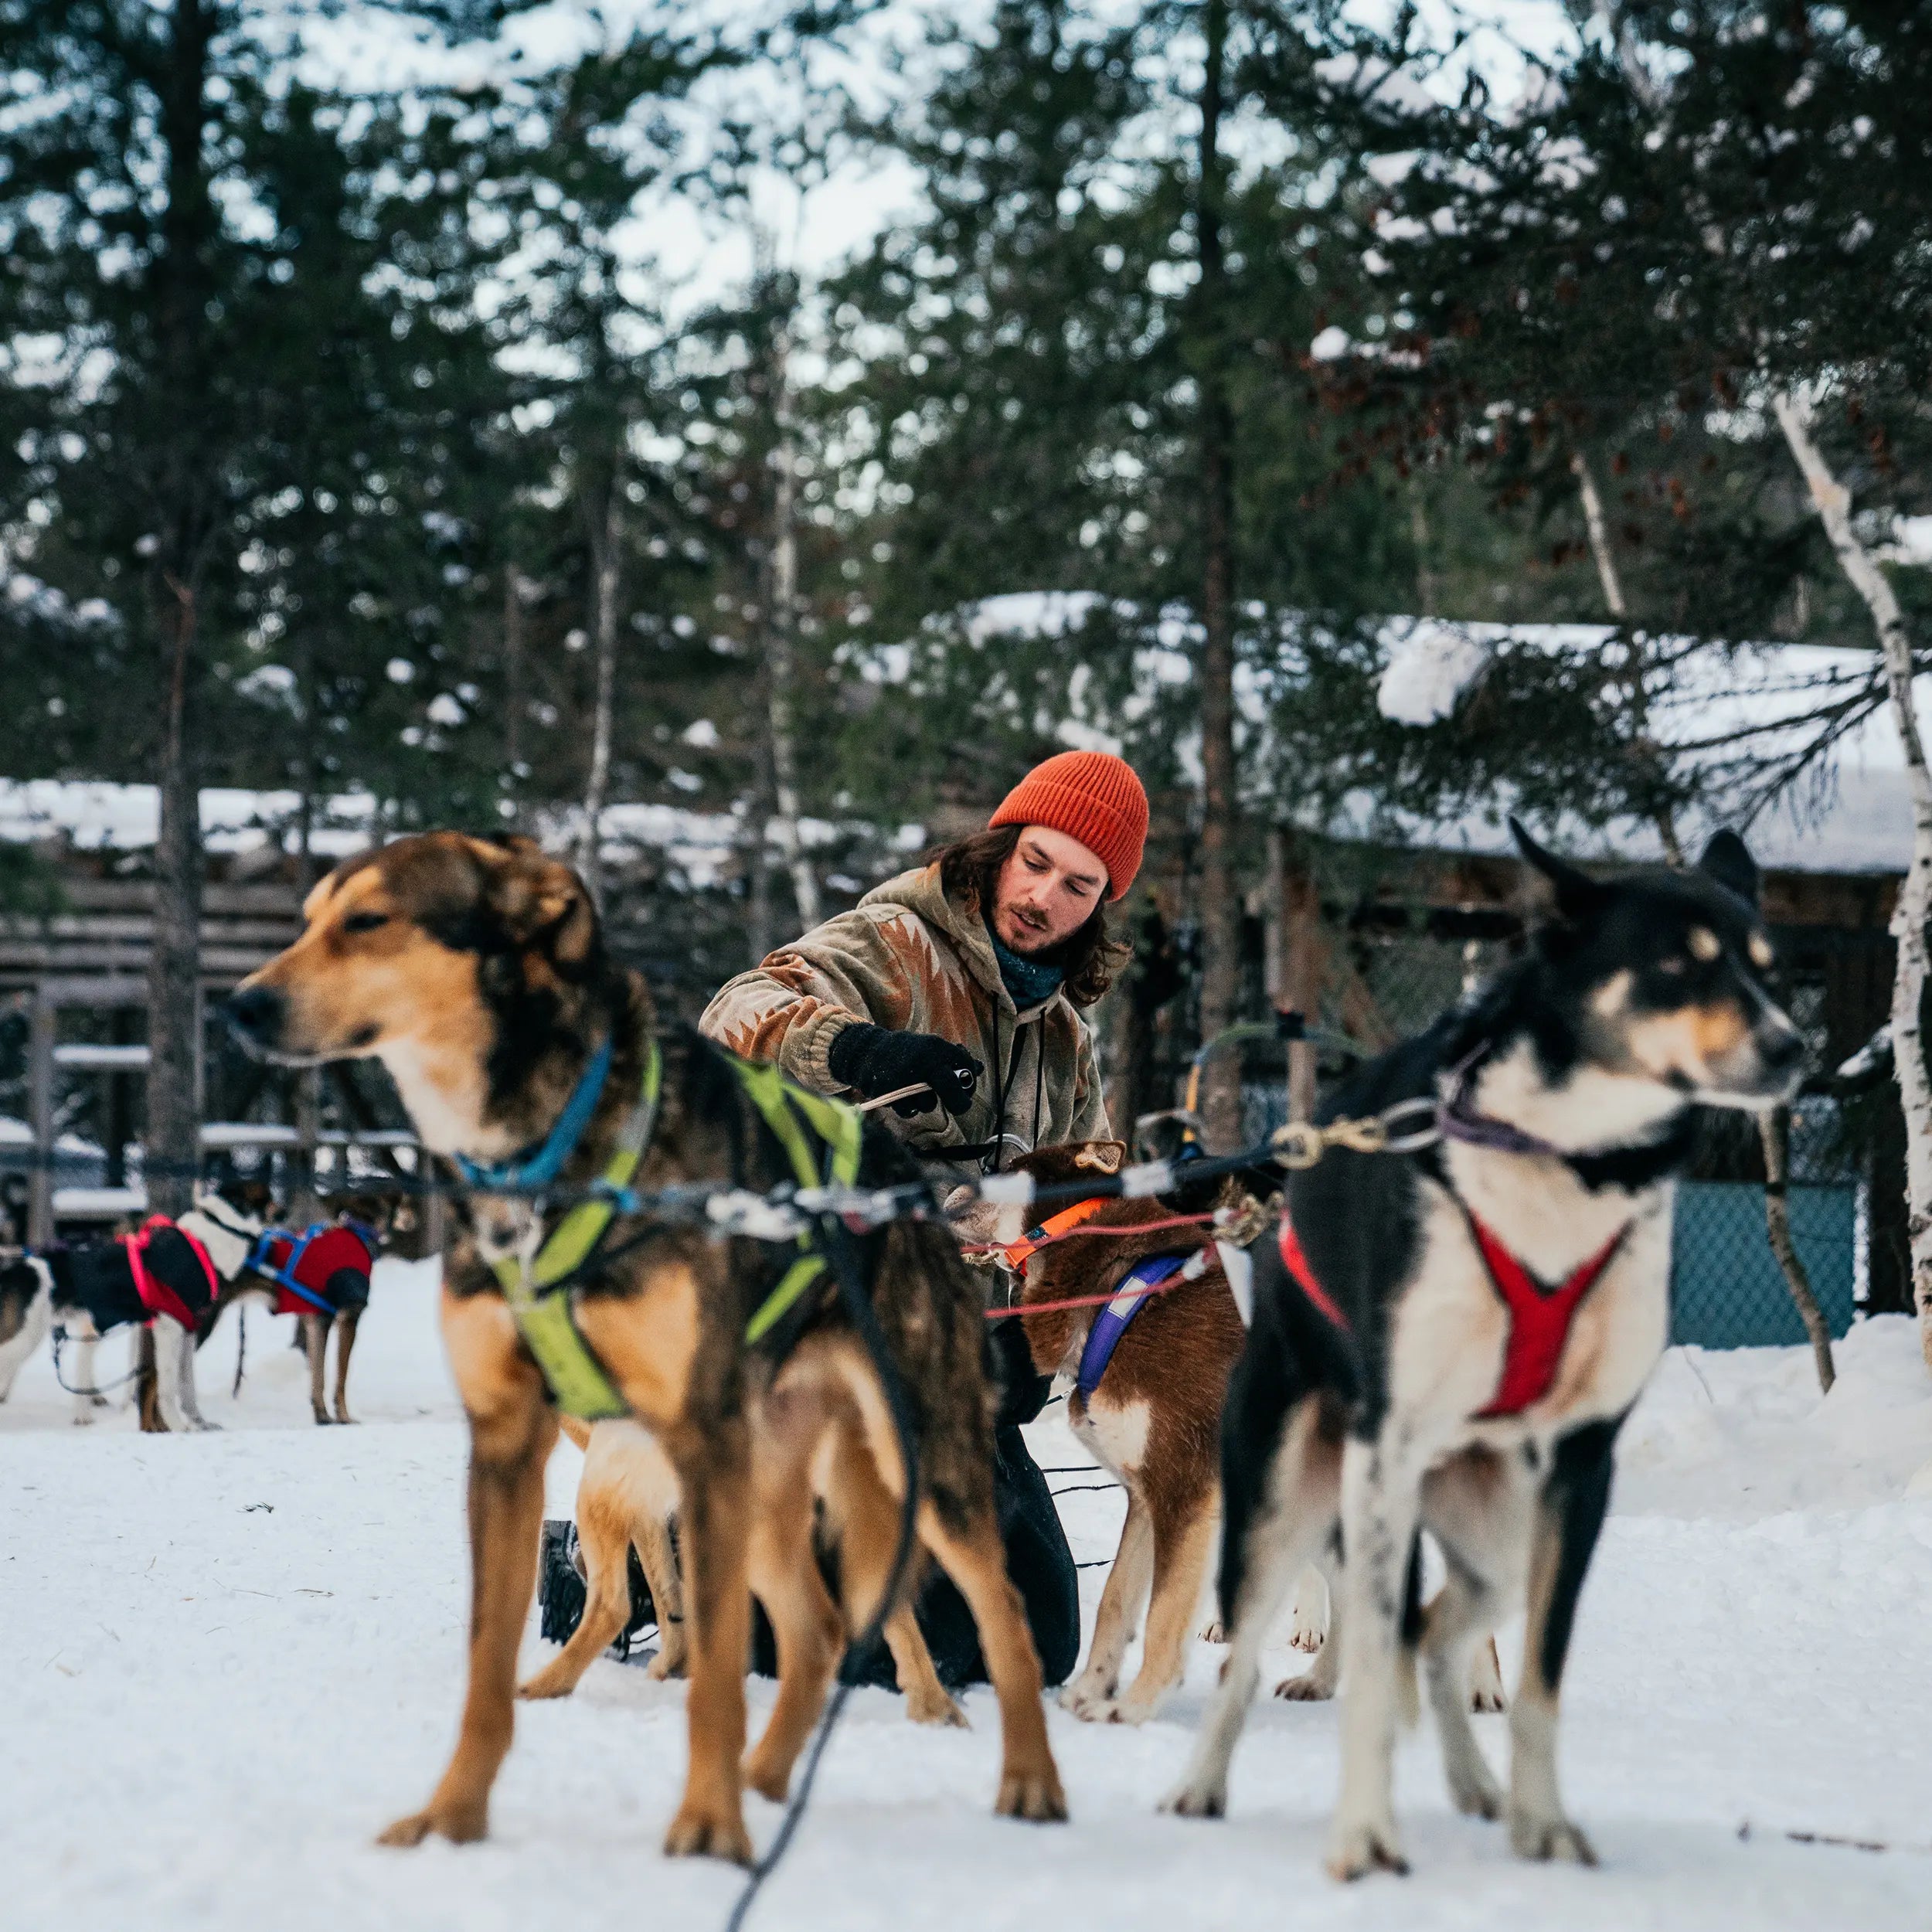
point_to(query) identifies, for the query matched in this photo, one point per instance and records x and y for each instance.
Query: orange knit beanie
(1091, 796)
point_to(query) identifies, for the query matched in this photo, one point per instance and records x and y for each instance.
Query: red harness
(156, 1297)
(309, 1262)
(1540, 1318)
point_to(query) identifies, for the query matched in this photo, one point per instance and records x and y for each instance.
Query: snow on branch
(1429, 670)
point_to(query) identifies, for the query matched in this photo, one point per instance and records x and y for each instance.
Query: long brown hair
(969, 874)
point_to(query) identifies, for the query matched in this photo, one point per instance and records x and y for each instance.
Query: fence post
(1301, 975)
(40, 1117)
(1775, 1130)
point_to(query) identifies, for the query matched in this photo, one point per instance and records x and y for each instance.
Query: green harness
(839, 1127)
(537, 1294)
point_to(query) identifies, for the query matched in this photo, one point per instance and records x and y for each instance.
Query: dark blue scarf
(1029, 981)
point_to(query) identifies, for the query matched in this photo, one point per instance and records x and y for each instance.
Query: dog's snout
(254, 1014)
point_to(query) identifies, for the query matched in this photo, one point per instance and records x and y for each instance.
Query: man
(967, 977)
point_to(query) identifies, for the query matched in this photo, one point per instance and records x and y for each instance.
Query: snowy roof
(94, 815)
(1851, 814)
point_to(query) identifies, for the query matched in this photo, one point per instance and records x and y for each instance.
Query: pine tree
(1095, 386)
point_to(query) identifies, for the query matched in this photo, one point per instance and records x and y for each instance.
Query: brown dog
(628, 1498)
(476, 970)
(1153, 1420)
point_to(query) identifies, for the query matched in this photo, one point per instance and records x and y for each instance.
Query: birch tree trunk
(1220, 909)
(1598, 536)
(1614, 601)
(1833, 502)
(604, 554)
(781, 660)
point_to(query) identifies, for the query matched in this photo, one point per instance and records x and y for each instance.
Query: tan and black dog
(1450, 1337)
(475, 970)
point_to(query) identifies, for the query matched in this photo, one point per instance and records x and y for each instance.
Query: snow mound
(1744, 1432)
(235, 1657)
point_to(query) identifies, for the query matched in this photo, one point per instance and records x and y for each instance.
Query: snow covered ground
(233, 1658)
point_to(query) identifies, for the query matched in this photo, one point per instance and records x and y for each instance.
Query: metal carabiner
(1411, 1140)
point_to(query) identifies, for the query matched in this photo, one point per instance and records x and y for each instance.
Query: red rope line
(1117, 1233)
(1089, 1301)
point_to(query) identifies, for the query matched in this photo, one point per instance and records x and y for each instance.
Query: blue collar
(1028, 981)
(530, 1171)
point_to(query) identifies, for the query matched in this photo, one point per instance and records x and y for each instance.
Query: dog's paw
(1035, 1795)
(1473, 1788)
(201, 1426)
(1555, 1838)
(1356, 1848)
(323, 1419)
(1090, 1700)
(1212, 1633)
(1308, 1688)
(933, 1706)
(664, 1666)
(768, 1780)
(342, 1416)
(460, 1824)
(1198, 1798)
(550, 1682)
(1485, 1680)
(1305, 1634)
(697, 1833)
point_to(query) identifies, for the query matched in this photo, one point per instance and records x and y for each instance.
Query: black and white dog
(1451, 1338)
(173, 1275)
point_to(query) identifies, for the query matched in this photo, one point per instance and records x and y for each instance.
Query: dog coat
(323, 1270)
(161, 1269)
(1103, 1337)
(1540, 1318)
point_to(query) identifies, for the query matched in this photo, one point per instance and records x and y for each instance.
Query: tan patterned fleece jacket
(907, 957)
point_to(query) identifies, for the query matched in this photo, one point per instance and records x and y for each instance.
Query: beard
(1029, 941)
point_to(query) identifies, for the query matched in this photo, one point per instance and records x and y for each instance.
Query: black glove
(874, 1060)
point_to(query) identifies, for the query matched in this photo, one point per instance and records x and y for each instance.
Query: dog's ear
(1101, 1157)
(1728, 860)
(1576, 892)
(542, 902)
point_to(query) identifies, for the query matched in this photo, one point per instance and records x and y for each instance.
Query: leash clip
(1400, 1140)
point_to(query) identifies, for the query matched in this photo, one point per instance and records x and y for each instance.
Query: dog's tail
(26, 1313)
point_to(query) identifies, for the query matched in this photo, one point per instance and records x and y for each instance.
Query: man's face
(1047, 891)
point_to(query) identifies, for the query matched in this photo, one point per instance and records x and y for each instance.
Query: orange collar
(1016, 1254)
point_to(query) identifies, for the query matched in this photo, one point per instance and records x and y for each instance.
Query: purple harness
(1111, 1323)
